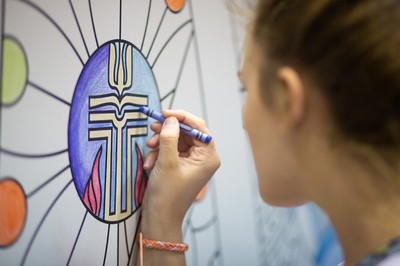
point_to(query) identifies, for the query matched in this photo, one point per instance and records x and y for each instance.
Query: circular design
(175, 5)
(15, 71)
(107, 133)
(13, 211)
(174, 58)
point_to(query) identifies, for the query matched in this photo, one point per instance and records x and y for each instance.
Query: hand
(181, 166)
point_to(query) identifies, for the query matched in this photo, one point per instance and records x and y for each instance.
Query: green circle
(15, 71)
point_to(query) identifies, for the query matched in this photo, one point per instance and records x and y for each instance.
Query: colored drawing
(104, 114)
(92, 196)
(13, 209)
(15, 71)
(141, 178)
(78, 200)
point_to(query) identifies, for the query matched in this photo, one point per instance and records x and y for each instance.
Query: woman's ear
(293, 94)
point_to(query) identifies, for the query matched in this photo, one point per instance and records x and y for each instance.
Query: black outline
(170, 38)
(173, 91)
(214, 199)
(99, 129)
(198, 63)
(136, 48)
(77, 238)
(215, 256)
(145, 28)
(36, 156)
(120, 20)
(105, 251)
(118, 244)
(99, 152)
(168, 94)
(205, 226)
(126, 238)
(26, 253)
(30, 83)
(116, 66)
(119, 119)
(119, 100)
(111, 128)
(79, 28)
(93, 26)
(138, 126)
(69, 120)
(139, 167)
(46, 182)
(106, 170)
(155, 35)
(134, 239)
(41, 11)
(214, 202)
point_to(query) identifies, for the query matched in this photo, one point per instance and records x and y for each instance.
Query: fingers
(154, 141)
(150, 160)
(156, 127)
(168, 139)
(168, 148)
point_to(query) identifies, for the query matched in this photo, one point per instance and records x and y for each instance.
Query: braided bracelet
(160, 245)
(164, 245)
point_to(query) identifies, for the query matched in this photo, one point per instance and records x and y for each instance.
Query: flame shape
(140, 179)
(92, 195)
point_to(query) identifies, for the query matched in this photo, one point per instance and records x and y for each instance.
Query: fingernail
(170, 121)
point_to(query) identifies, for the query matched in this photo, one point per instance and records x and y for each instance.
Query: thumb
(169, 136)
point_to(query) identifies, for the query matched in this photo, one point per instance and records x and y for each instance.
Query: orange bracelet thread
(140, 249)
(164, 245)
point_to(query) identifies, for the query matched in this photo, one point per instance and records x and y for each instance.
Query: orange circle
(12, 211)
(175, 5)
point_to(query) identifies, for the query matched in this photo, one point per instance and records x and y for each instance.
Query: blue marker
(188, 130)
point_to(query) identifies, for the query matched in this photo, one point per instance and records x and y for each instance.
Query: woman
(323, 119)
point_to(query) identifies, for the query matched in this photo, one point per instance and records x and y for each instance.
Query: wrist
(156, 226)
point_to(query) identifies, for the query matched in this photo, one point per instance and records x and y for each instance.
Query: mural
(104, 116)
(72, 139)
